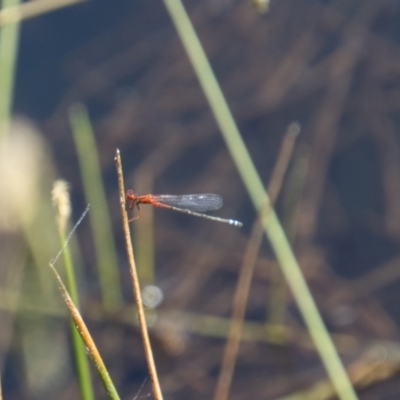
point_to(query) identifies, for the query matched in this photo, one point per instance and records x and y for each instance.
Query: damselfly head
(130, 198)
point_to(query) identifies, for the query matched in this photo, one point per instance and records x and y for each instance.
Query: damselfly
(192, 204)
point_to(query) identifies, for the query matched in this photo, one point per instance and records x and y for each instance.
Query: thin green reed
(99, 215)
(61, 202)
(259, 197)
(9, 35)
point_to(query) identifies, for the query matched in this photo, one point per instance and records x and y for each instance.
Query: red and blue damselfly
(192, 204)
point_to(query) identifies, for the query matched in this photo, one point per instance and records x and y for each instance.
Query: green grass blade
(254, 186)
(82, 365)
(90, 345)
(61, 202)
(99, 215)
(9, 36)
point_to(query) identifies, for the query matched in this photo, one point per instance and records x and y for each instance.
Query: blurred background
(329, 70)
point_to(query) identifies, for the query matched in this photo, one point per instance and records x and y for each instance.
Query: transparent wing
(192, 202)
